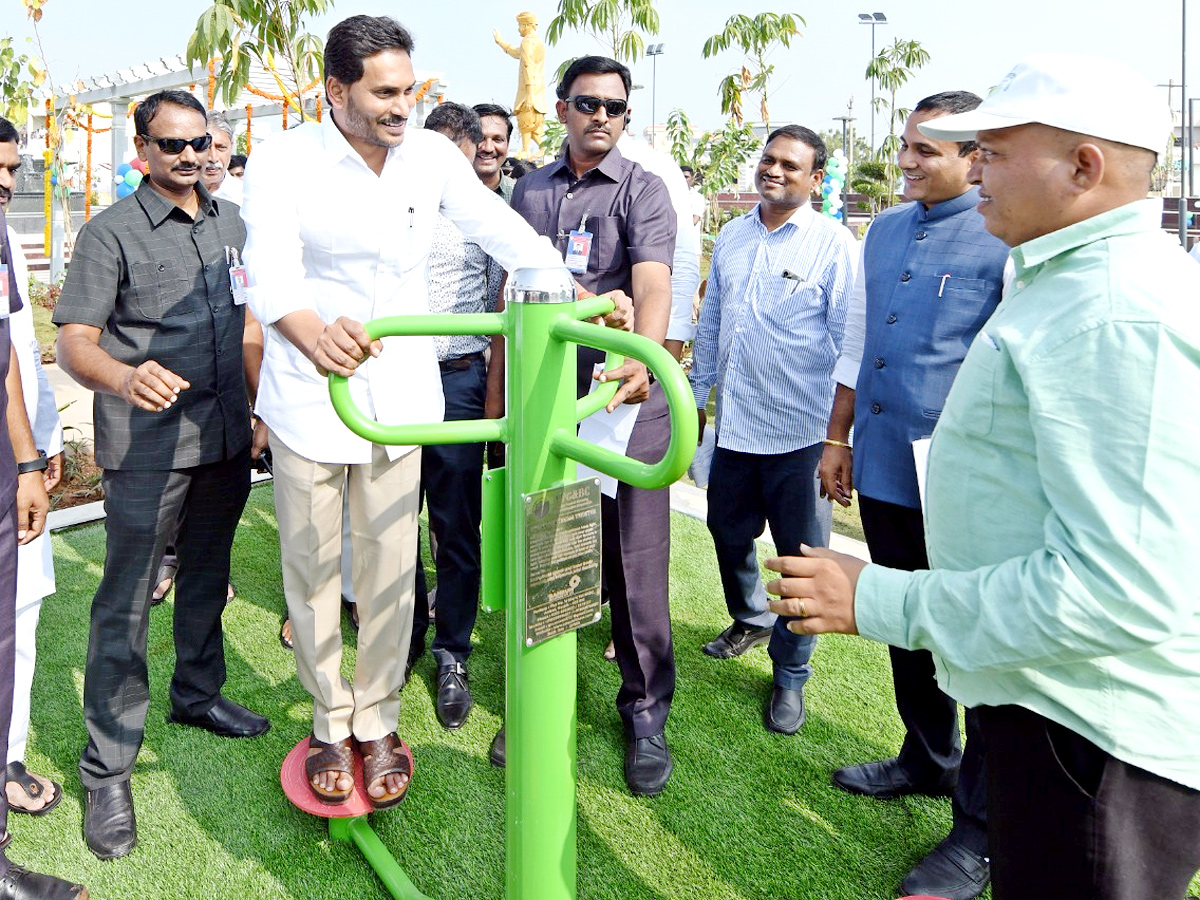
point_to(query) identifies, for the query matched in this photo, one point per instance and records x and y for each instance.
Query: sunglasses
(588, 105)
(174, 146)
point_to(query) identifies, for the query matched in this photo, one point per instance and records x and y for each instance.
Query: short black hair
(148, 108)
(494, 109)
(8, 132)
(238, 159)
(593, 65)
(804, 136)
(352, 40)
(687, 169)
(457, 122)
(949, 103)
(516, 168)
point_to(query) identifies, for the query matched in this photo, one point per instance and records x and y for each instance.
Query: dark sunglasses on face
(174, 146)
(589, 105)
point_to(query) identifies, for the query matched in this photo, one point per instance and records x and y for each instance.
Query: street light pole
(654, 51)
(872, 20)
(1184, 149)
(847, 134)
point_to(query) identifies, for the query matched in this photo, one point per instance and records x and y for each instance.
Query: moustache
(5, 196)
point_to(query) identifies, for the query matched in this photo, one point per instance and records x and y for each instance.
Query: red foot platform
(295, 785)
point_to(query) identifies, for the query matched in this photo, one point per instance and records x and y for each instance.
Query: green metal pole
(357, 830)
(540, 686)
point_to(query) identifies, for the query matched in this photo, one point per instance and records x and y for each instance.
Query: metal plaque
(562, 559)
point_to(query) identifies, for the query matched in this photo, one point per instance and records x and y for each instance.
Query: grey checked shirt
(462, 279)
(157, 285)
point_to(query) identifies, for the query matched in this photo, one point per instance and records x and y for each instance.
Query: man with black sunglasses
(151, 321)
(614, 223)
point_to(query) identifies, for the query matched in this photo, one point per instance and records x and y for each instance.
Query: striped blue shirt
(771, 328)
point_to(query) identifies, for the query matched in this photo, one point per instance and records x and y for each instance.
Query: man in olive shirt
(148, 321)
(630, 225)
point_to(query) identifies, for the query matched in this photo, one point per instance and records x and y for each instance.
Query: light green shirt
(1063, 500)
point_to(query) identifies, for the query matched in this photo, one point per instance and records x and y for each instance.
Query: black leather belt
(459, 363)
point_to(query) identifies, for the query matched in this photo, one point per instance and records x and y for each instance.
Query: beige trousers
(383, 499)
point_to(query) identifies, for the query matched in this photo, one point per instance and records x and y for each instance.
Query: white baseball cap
(1090, 95)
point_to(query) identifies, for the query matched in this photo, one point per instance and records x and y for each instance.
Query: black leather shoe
(21, 884)
(648, 765)
(497, 755)
(453, 697)
(109, 826)
(224, 719)
(886, 779)
(736, 640)
(951, 871)
(785, 711)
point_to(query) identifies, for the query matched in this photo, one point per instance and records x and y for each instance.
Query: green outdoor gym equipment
(542, 323)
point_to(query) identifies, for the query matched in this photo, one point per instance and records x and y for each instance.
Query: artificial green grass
(748, 814)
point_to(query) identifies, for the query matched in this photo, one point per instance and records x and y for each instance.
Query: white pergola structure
(121, 88)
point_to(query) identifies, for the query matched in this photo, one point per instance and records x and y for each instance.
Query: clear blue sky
(971, 48)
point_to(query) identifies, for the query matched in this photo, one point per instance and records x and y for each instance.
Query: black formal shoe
(109, 826)
(785, 710)
(224, 719)
(886, 779)
(497, 754)
(21, 884)
(951, 871)
(736, 640)
(648, 765)
(453, 697)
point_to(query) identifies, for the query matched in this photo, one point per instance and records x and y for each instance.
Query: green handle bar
(684, 424)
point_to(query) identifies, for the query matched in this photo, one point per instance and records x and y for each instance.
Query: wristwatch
(37, 464)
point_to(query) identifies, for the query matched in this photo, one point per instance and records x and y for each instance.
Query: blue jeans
(745, 492)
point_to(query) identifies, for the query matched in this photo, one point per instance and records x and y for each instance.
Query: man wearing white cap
(1060, 502)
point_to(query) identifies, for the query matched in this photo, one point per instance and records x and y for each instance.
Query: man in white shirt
(320, 263)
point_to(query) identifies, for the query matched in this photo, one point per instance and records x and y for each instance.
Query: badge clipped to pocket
(4, 297)
(239, 279)
(579, 248)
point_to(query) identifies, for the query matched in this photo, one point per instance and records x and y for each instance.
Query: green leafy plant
(19, 75)
(273, 33)
(617, 24)
(716, 156)
(892, 69)
(757, 37)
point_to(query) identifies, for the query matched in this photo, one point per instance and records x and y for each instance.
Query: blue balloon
(54, 179)
(124, 191)
(123, 168)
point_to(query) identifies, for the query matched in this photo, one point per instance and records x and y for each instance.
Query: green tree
(617, 24)
(756, 37)
(19, 75)
(271, 32)
(716, 157)
(833, 141)
(556, 133)
(892, 69)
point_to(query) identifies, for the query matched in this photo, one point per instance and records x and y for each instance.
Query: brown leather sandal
(337, 757)
(386, 756)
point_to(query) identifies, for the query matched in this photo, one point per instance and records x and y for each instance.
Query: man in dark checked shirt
(631, 223)
(149, 322)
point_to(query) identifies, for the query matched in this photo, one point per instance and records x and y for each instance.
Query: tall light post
(848, 134)
(654, 51)
(872, 19)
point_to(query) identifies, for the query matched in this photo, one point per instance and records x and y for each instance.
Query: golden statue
(530, 105)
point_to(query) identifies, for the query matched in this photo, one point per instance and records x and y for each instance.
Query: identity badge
(239, 281)
(579, 247)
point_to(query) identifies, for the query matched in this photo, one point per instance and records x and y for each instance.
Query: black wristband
(37, 464)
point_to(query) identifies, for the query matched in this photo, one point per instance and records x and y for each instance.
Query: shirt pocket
(157, 286)
(972, 400)
(608, 246)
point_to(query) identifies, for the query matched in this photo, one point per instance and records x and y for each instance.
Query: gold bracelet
(833, 443)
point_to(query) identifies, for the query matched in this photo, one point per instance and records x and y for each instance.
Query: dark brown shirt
(156, 283)
(626, 209)
(8, 463)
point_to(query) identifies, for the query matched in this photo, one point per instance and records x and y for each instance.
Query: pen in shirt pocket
(412, 212)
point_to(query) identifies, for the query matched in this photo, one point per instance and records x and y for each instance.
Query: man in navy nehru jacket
(930, 277)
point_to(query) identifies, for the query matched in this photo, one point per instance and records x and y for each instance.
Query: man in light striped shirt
(769, 334)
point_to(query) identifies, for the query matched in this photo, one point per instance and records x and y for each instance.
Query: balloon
(54, 179)
(139, 164)
(118, 180)
(133, 178)
(124, 191)
(123, 168)
(839, 153)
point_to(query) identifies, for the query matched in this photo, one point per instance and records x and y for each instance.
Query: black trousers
(450, 480)
(1067, 821)
(636, 531)
(142, 510)
(896, 538)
